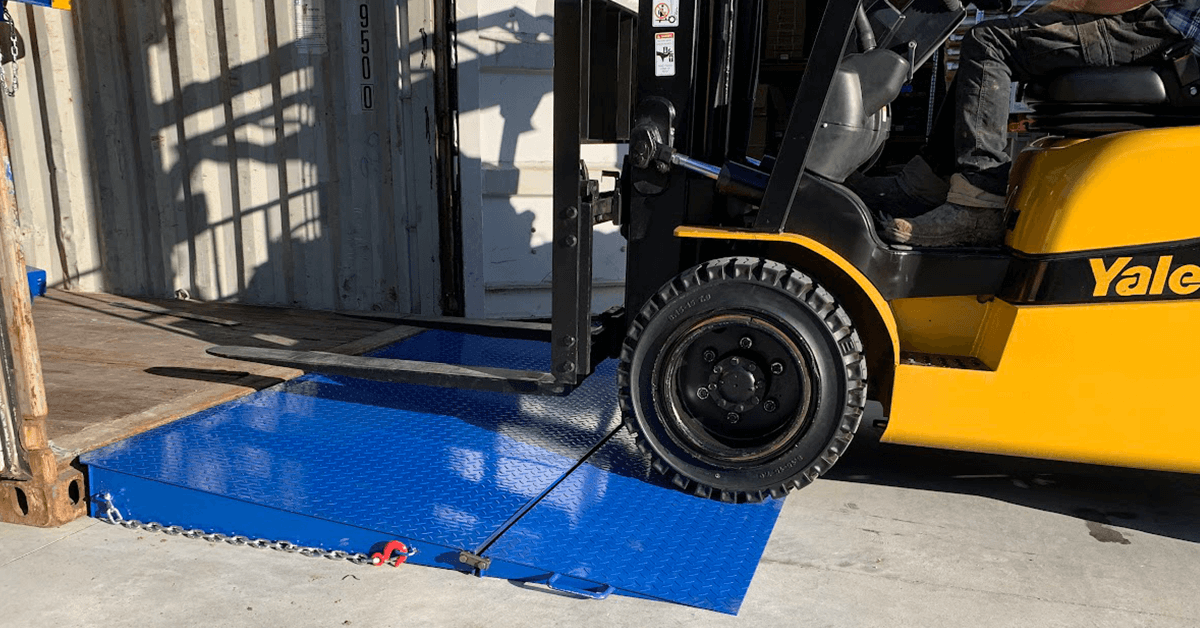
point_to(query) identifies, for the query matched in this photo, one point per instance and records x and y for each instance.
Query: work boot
(916, 190)
(970, 217)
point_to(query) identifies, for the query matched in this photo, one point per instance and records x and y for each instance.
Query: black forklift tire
(681, 337)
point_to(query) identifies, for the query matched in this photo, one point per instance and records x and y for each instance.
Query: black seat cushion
(1128, 85)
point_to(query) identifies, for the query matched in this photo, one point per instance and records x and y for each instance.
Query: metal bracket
(477, 563)
(601, 206)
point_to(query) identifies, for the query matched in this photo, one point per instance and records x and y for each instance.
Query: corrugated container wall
(506, 140)
(269, 152)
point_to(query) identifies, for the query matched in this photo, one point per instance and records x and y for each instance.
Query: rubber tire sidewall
(707, 297)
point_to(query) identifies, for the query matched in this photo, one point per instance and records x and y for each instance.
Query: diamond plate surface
(615, 522)
(443, 466)
(454, 348)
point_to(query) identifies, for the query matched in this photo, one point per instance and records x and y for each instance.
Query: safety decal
(312, 35)
(664, 54)
(666, 13)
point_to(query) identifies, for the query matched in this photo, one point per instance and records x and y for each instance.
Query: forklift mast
(594, 58)
(676, 81)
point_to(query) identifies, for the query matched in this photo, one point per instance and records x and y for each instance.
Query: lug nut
(717, 369)
(750, 367)
(735, 361)
(710, 355)
(746, 342)
(702, 393)
(758, 385)
(733, 417)
(770, 405)
(777, 368)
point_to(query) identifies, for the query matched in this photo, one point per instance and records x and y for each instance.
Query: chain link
(11, 88)
(110, 514)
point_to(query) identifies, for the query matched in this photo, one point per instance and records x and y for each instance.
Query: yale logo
(1139, 281)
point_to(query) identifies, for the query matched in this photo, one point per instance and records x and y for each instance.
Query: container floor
(115, 367)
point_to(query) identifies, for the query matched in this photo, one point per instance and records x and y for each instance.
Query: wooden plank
(298, 325)
(94, 436)
(162, 311)
(109, 365)
(33, 464)
(18, 310)
(109, 368)
(378, 341)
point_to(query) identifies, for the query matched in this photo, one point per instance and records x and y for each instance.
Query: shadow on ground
(1158, 503)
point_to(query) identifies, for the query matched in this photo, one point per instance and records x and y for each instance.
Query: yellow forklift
(763, 310)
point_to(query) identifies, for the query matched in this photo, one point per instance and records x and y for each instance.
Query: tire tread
(807, 292)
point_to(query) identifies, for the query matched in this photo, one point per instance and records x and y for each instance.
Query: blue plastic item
(550, 489)
(37, 281)
(55, 4)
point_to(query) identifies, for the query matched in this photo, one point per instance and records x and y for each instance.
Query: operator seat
(1085, 102)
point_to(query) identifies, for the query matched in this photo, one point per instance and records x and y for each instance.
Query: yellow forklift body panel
(939, 325)
(1120, 190)
(868, 288)
(1098, 384)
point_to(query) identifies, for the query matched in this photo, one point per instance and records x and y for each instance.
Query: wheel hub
(736, 384)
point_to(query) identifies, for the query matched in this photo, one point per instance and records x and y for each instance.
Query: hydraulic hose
(866, 34)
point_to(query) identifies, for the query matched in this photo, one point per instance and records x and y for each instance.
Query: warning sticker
(666, 13)
(312, 36)
(664, 54)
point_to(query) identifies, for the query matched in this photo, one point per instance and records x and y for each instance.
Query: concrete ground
(892, 537)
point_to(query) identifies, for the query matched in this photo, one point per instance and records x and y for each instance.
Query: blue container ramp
(549, 489)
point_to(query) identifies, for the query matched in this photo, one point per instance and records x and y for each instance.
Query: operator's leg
(924, 182)
(1029, 49)
(994, 54)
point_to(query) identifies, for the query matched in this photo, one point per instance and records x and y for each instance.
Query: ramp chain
(110, 514)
